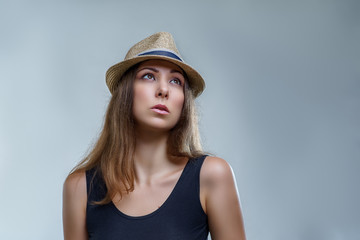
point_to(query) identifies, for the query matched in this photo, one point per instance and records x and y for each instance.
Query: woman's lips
(161, 109)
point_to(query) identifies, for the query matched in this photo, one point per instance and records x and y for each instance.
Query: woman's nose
(163, 90)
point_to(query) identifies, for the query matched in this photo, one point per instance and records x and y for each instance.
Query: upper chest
(147, 197)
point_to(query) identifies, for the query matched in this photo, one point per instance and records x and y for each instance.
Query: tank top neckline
(163, 205)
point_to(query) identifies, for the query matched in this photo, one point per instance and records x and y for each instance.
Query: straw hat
(158, 46)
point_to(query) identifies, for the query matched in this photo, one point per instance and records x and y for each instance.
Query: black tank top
(181, 216)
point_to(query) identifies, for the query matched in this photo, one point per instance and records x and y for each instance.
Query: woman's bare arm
(74, 207)
(222, 204)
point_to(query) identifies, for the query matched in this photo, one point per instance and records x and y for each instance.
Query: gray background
(281, 104)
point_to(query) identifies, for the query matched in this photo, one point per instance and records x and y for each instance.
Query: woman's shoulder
(221, 200)
(215, 169)
(75, 185)
(74, 206)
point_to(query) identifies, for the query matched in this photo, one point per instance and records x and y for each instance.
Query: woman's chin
(159, 127)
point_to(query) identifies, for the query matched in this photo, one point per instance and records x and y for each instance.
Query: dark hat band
(161, 53)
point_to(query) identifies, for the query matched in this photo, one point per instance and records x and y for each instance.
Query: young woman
(147, 177)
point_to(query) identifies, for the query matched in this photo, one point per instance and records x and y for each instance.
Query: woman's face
(158, 95)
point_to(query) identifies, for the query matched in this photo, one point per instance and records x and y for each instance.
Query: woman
(147, 177)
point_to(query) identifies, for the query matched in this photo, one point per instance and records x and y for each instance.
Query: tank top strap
(95, 185)
(193, 173)
(192, 170)
(187, 190)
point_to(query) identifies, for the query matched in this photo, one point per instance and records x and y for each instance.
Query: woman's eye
(148, 76)
(176, 81)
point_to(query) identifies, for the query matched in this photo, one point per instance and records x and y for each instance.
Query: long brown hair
(113, 153)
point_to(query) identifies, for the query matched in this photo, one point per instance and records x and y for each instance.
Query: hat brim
(115, 72)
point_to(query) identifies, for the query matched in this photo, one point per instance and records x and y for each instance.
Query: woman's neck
(151, 152)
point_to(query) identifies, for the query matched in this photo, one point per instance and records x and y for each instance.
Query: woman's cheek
(180, 104)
